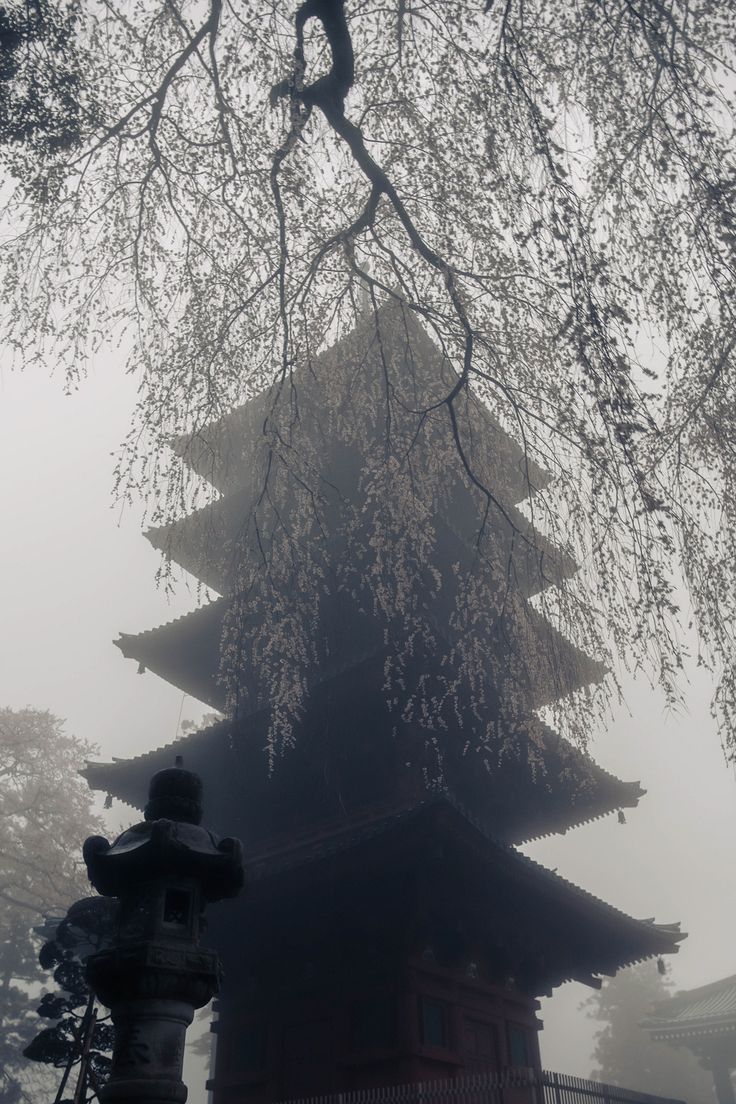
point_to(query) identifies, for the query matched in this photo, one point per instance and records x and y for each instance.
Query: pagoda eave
(186, 652)
(522, 804)
(215, 451)
(211, 541)
(583, 936)
(696, 1017)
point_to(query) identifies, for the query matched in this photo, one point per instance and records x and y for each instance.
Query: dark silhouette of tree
(547, 186)
(625, 1054)
(45, 814)
(78, 1040)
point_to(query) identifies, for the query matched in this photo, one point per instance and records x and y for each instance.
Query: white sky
(73, 574)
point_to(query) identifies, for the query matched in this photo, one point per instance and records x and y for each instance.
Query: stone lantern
(164, 871)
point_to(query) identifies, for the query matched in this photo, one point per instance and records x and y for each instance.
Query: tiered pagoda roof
(543, 784)
(353, 775)
(216, 542)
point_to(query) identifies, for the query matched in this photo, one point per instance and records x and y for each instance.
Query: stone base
(149, 1052)
(143, 1091)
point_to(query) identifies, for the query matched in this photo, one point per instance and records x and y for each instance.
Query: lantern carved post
(163, 872)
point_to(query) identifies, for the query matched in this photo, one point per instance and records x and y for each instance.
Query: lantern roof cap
(169, 844)
(175, 794)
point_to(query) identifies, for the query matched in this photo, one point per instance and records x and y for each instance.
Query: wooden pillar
(722, 1083)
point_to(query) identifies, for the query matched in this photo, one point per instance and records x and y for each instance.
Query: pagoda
(390, 930)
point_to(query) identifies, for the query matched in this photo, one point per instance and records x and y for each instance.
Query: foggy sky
(74, 573)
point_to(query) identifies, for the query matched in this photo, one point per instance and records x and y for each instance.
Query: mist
(76, 571)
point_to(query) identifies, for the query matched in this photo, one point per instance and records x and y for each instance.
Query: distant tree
(210, 718)
(626, 1055)
(548, 185)
(45, 814)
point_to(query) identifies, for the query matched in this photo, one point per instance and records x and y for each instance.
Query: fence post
(537, 1087)
(511, 1085)
(556, 1087)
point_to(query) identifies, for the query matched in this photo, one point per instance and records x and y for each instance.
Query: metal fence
(511, 1086)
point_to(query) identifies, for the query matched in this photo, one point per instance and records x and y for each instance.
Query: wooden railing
(511, 1086)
